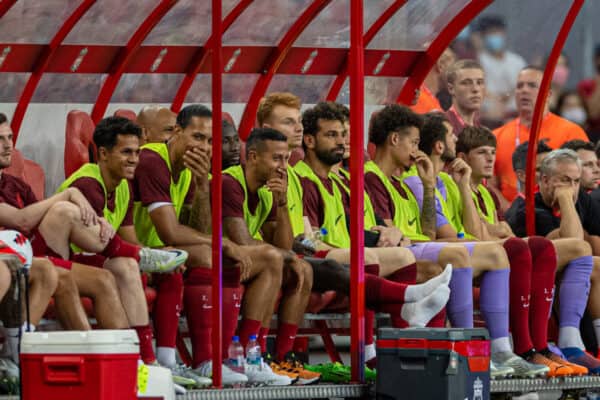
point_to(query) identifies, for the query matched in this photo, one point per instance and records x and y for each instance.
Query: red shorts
(321, 254)
(94, 260)
(41, 249)
(61, 262)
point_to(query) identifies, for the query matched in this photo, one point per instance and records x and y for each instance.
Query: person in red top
(51, 224)
(157, 123)
(117, 140)
(554, 128)
(466, 85)
(189, 152)
(434, 82)
(589, 90)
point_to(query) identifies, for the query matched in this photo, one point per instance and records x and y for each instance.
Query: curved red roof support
(125, 56)
(275, 59)
(337, 85)
(42, 63)
(201, 56)
(440, 43)
(5, 6)
(538, 111)
(356, 63)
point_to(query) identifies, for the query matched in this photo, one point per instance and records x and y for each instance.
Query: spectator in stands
(570, 106)
(501, 68)
(532, 262)
(435, 81)
(466, 85)
(157, 123)
(173, 209)
(589, 90)
(554, 128)
(231, 145)
(106, 186)
(562, 211)
(559, 82)
(590, 171)
(519, 161)
(395, 132)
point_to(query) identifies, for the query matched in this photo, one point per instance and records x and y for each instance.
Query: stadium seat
(79, 146)
(31, 172)
(126, 113)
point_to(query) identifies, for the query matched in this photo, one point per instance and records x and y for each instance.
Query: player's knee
(458, 257)
(126, 271)
(45, 273)
(105, 284)
(581, 248)
(497, 256)
(371, 257)
(427, 270)
(64, 211)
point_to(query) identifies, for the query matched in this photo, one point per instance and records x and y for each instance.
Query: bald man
(157, 123)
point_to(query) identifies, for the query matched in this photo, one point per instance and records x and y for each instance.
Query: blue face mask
(494, 42)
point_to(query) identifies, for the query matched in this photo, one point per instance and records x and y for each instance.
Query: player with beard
(282, 111)
(477, 147)
(395, 132)
(231, 145)
(532, 262)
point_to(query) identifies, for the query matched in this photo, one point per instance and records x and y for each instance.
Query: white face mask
(577, 115)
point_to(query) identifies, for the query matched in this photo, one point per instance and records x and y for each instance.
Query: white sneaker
(262, 374)
(184, 376)
(155, 260)
(229, 376)
(9, 368)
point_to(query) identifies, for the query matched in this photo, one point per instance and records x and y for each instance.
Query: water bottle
(235, 353)
(319, 234)
(253, 351)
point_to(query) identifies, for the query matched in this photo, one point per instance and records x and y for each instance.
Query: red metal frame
(202, 55)
(5, 6)
(357, 273)
(422, 67)
(337, 85)
(125, 56)
(540, 103)
(275, 60)
(42, 63)
(216, 195)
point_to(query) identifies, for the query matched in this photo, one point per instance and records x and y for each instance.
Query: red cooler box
(80, 365)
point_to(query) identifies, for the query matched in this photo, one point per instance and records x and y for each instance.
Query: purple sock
(494, 301)
(460, 304)
(574, 291)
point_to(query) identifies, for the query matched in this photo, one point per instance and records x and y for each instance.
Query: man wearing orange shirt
(434, 82)
(554, 128)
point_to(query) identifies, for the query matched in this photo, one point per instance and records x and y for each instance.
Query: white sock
(419, 313)
(569, 336)
(370, 351)
(596, 323)
(166, 356)
(418, 292)
(500, 345)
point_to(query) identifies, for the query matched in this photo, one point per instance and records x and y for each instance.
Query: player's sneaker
(500, 372)
(155, 260)
(293, 365)
(15, 249)
(331, 372)
(580, 357)
(523, 369)
(577, 369)
(262, 374)
(556, 369)
(184, 376)
(228, 376)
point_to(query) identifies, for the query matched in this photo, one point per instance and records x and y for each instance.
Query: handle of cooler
(63, 369)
